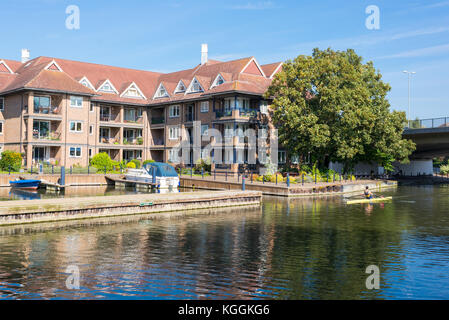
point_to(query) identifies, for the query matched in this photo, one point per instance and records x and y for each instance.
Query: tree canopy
(332, 106)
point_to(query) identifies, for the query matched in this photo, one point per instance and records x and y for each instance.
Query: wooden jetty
(121, 182)
(49, 210)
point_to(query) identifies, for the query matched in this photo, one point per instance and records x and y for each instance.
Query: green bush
(10, 159)
(148, 161)
(131, 165)
(137, 163)
(102, 160)
(202, 164)
(444, 169)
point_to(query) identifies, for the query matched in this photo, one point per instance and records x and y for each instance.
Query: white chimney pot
(204, 52)
(25, 55)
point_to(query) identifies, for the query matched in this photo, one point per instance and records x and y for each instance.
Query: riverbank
(281, 189)
(49, 210)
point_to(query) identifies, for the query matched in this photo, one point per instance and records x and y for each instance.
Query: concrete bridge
(431, 137)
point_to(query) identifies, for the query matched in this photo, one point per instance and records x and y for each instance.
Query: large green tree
(333, 106)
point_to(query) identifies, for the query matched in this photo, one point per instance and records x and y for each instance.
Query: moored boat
(166, 176)
(25, 184)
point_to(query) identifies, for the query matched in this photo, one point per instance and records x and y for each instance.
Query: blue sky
(167, 35)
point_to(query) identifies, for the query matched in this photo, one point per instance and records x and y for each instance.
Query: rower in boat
(368, 194)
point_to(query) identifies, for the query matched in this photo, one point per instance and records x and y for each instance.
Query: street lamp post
(410, 73)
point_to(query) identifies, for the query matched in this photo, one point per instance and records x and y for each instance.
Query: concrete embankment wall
(294, 190)
(47, 210)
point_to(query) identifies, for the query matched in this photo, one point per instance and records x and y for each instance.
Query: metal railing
(428, 123)
(46, 110)
(157, 120)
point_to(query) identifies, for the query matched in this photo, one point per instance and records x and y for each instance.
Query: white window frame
(263, 107)
(204, 129)
(2, 127)
(76, 105)
(75, 148)
(174, 133)
(284, 157)
(192, 84)
(217, 80)
(158, 93)
(90, 152)
(76, 122)
(172, 114)
(178, 89)
(2, 108)
(204, 107)
(91, 107)
(173, 155)
(112, 88)
(91, 129)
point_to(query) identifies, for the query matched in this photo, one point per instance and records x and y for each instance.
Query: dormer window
(85, 82)
(133, 92)
(107, 87)
(161, 92)
(180, 87)
(195, 86)
(218, 81)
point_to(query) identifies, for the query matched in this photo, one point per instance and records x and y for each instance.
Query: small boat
(374, 200)
(166, 176)
(25, 184)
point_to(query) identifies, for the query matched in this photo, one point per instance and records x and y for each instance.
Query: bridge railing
(428, 123)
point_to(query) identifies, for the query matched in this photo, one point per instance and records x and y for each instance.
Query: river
(287, 249)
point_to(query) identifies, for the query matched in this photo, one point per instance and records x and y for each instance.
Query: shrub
(131, 165)
(10, 159)
(202, 164)
(102, 160)
(148, 161)
(444, 169)
(137, 163)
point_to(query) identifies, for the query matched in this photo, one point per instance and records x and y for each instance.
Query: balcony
(133, 142)
(221, 114)
(46, 110)
(190, 117)
(108, 140)
(51, 136)
(158, 120)
(248, 113)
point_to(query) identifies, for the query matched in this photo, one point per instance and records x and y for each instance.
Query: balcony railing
(107, 140)
(133, 142)
(248, 113)
(46, 110)
(157, 120)
(221, 114)
(158, 142)
(53, 136)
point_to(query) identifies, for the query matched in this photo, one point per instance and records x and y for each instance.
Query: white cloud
(429, 51)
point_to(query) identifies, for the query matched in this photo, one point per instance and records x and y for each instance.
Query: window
(91, 109)
(173, 155)
(204, 129)
(107, 87)
(174, 133)
(195, 86)
(41, 104)
(75, 152)
(281, 157)
(85, 82)
(243, 103)
(204, 106)
(130, 115)
(133, 92)
(181, 87)
(76, 126)
(161, 92)
(1, 127)
(76, 102)
(263, 107)
(229, 104)
(174, 111)
(91, 129)
(139, 113)
(218, 81)
(90, 153)
(2, 104)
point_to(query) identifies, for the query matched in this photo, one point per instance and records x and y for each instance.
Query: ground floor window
(282, 155)
(173, 155)
(75, 152)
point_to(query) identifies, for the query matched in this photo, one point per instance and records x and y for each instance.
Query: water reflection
(287, 249)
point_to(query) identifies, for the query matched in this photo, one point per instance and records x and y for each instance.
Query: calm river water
(288, 249)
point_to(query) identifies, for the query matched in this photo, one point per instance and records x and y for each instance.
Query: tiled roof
(33, 75)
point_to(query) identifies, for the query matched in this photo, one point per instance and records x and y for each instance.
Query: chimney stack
(204, 51)
(25, 55)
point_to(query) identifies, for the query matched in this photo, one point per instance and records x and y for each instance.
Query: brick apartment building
(64, 112)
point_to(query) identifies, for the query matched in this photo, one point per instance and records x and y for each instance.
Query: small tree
(10, 159)
(102, 160)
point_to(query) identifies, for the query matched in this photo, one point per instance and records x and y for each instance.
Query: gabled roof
(243, 75)
(272, 68)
